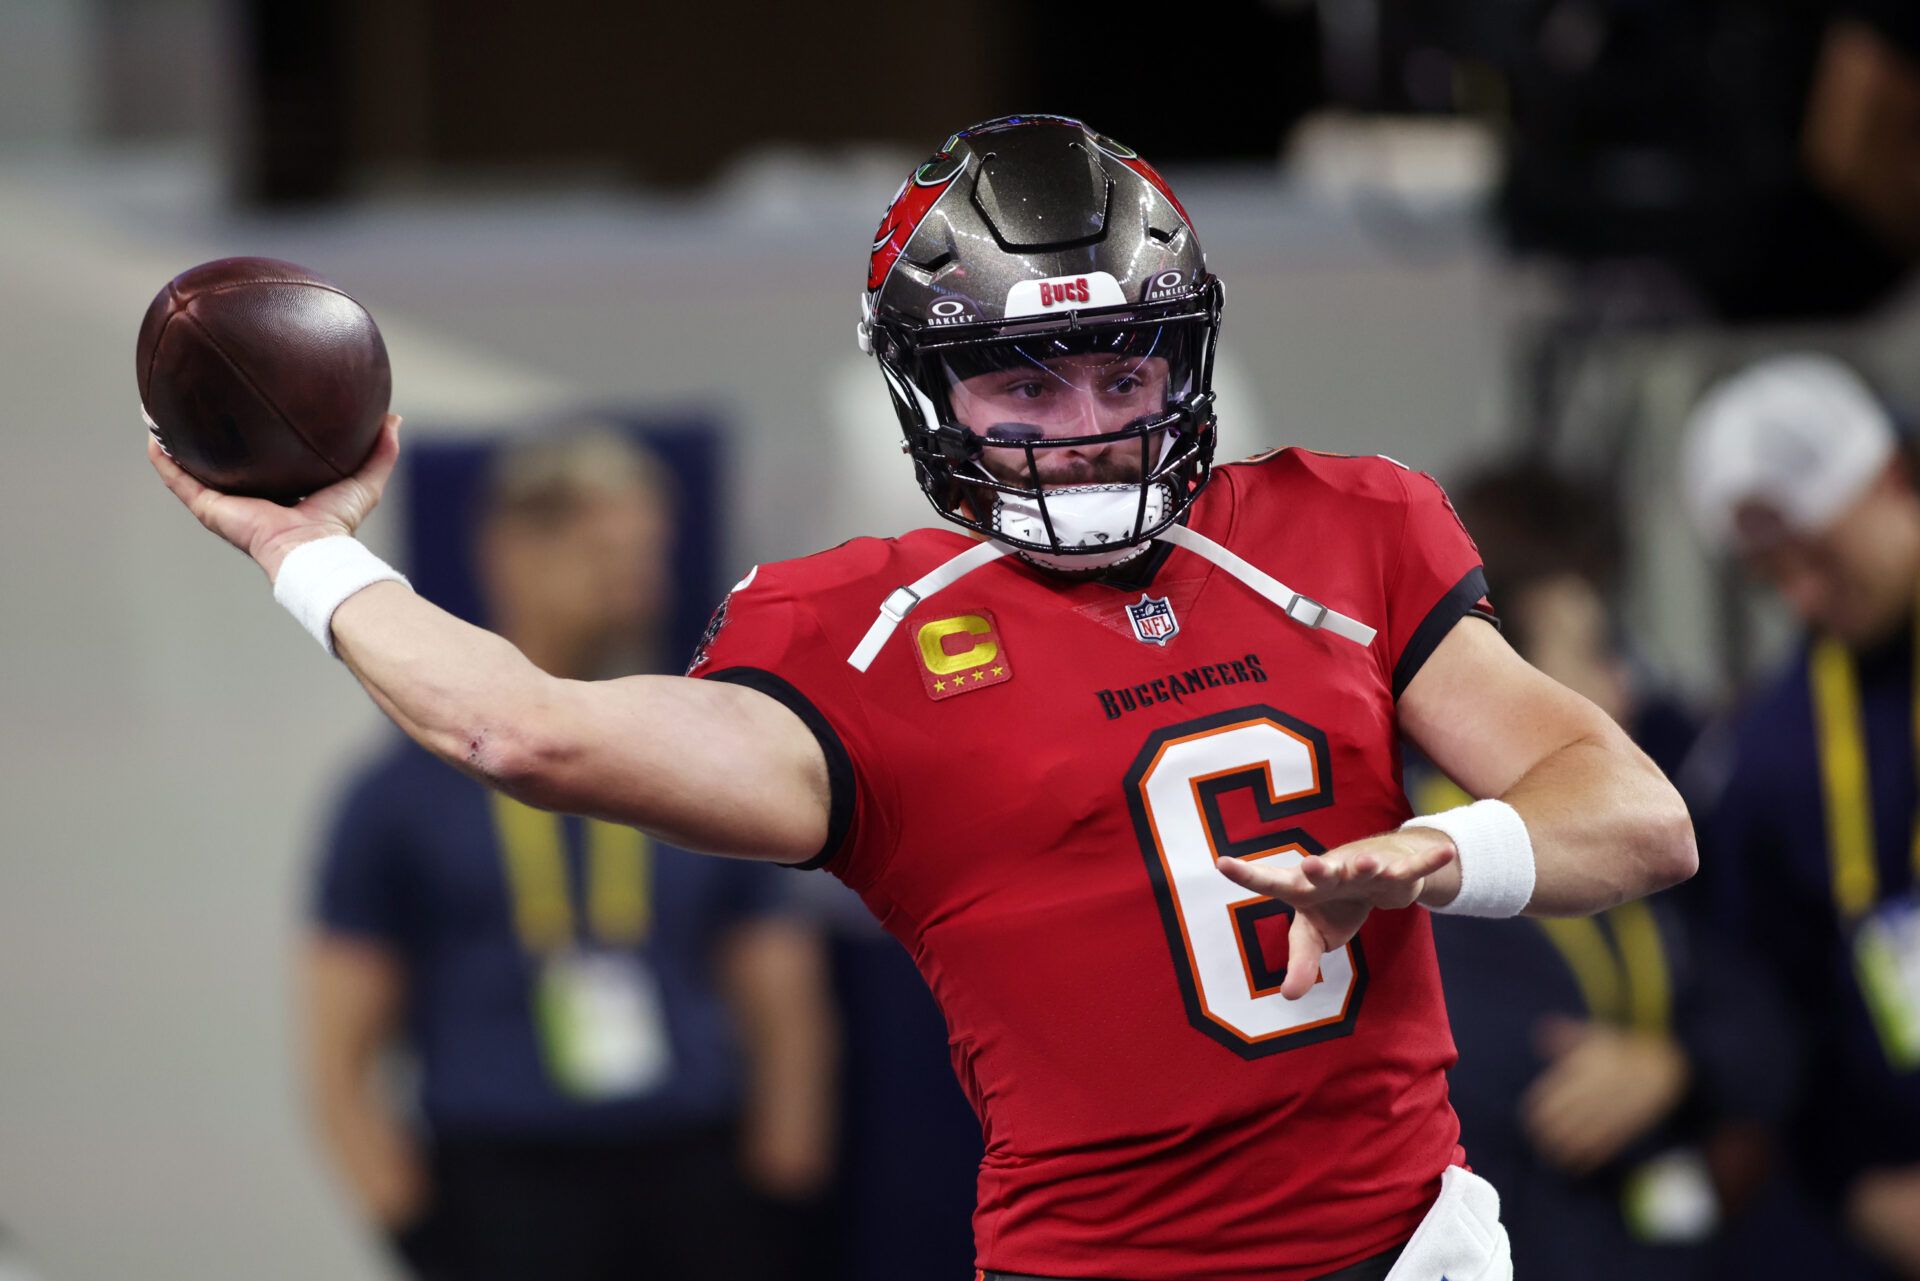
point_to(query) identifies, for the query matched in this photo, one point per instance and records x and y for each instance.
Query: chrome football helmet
(1046, 323)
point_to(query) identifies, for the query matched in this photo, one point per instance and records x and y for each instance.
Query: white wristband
(1496, 857)
(317, 577)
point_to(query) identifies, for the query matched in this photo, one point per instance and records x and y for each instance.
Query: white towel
(1461, 1238)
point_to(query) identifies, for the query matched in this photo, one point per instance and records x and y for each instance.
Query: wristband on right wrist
(1496, 858)
(317, 577)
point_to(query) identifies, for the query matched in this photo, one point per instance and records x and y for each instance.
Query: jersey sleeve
(764, 637)
(359, 889)
(1436, 579)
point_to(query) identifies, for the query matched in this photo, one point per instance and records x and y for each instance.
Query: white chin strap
(1301, 609)
(1082, 516)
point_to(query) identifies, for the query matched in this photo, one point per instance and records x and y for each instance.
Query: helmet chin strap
(1303, 610)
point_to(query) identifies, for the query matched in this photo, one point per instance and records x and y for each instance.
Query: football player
(1131, 801)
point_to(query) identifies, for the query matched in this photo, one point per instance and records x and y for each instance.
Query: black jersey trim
(840, 784)
(1450, 609)
(1138, 574)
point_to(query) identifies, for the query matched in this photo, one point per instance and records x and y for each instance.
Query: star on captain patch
(1153, 620)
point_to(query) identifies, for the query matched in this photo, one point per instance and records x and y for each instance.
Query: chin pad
(1100, 518)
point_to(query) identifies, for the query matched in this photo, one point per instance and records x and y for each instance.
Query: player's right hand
(267, 531)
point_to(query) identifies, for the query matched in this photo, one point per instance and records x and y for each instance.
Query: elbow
(516, 747)
(515, 759)
(1673, 854)
(499, 754)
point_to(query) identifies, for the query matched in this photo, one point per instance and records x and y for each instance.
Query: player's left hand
(1332, 893)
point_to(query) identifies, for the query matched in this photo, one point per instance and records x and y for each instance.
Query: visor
(1074, 389)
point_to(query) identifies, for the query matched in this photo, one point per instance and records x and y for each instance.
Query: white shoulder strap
(901, 600)
(1301, 609)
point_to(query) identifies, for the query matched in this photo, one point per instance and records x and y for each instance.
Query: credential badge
(1153, 620)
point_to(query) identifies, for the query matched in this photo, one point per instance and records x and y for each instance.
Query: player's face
(1088, 394)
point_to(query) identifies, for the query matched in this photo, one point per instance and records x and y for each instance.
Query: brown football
(261, 378)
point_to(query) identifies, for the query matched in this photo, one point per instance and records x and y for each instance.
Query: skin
(729, 770)
(1883, 1210)
(353, 999)
(1604, 1087)
(1605, 824)
(1854, 579)
(1861, 137)
(573, 594)
(1083, 395)
(775, 976)
(576, 595)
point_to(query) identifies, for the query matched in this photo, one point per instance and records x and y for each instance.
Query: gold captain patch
(961, 653)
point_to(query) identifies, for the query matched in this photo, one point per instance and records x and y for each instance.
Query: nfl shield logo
(1153, 620)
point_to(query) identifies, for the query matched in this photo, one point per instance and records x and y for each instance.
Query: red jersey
(1030, 784)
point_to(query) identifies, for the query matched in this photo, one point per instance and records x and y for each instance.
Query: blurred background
(1458, 234)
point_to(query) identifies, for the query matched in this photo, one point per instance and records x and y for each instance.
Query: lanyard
(619, 882)
(1630, 989)
(1846, 789)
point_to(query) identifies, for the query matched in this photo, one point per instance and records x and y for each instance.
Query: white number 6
(1175, 789)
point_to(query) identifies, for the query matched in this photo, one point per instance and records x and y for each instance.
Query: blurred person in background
(1616, 1070)
(1766, 155)
(620, 1046)
(1860, 141)
(1806, 798)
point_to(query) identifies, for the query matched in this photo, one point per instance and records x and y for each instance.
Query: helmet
(1046, 324)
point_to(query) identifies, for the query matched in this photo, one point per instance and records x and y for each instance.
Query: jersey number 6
(1178, 789)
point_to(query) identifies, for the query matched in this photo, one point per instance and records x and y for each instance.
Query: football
(261, 378)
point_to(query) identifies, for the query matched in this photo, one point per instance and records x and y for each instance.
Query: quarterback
(1113, 751)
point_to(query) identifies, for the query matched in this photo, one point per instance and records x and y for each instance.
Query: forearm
(702, 764)
(463, 693)
(373, 1154)
(1606, 826)
(791, 1042)
(790, 1104)
(1603, 823)
(353, 994)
